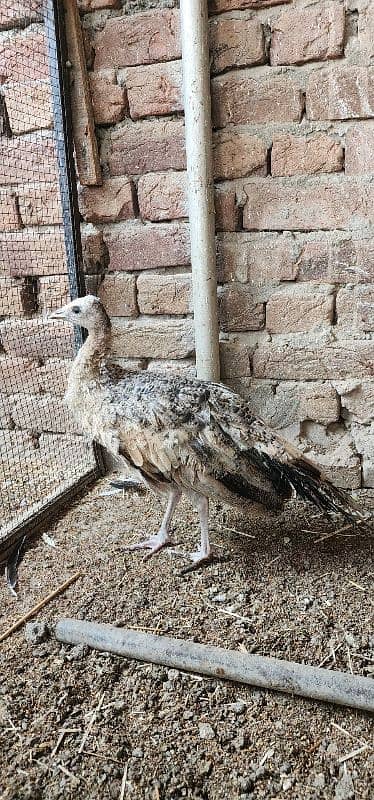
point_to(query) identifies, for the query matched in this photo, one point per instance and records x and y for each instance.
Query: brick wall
(39, 446)
(292, 103)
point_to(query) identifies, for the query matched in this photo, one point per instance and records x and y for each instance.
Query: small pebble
(36, 632)
(219, 598)
(77, 652)
(206, 731)
(238, 707)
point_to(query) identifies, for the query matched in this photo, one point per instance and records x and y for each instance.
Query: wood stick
(269, 673)
(39, 605)
(86, 150)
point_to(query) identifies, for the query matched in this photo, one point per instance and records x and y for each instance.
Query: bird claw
(199, 559)
(154, 545)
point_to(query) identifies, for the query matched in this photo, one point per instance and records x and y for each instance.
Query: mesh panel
(41, 451)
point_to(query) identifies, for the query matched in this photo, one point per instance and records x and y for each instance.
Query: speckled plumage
(200, 438)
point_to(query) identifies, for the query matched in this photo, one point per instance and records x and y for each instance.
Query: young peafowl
(186, 436)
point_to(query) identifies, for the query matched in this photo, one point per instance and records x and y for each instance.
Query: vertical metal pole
(196, 88)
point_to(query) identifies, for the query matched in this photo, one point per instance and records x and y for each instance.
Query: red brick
(137, 247)
(144, 38)
(237, 155)
(52, 376)
(218, 6)
(40, 204)
(355, 308)
(21, 159)
(118, 293)
(359, 146)
(163, 338)
(16, 298)
(97, 5)
(40, 252)
(16, 13)
(9, 215)
(36, 338)
(15, 448)
(344, 259)
(109, 100)
(53, 292)
(256, 259)
(28, 106)
(112, 201)
(266, 259)
(304, 358)
(308, 34)
(238, 311)
(94, 251)
(366, 30)
(226, 208)
(342, 93)
(297, 155)
(5, 413)
(300, 308)
(16, 373)
(23, 57)
(235, 358)
(162, 196)
(148, 146)
(40, 413)
(236, 43)
(164, 294)
(318, 205)
(155, 89)
(239, 97)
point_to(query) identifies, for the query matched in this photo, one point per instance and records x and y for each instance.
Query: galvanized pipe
(266, 673)
(196, 89)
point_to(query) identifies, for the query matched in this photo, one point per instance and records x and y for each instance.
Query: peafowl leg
(161, 539)
(204, 553)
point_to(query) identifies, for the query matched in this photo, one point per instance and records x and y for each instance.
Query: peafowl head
(88, 312)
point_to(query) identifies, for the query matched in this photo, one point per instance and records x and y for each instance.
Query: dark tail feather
(310, 484)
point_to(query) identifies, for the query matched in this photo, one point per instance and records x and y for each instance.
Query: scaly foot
(154, 544)
(200, 558)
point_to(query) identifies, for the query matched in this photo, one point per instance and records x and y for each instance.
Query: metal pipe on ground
(267, 673)
(198, 127)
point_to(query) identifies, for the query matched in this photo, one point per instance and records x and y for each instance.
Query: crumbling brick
(147, 146)
(109, 99)
(145, 38)
(155, 89)
(112, 201)
(308, 34)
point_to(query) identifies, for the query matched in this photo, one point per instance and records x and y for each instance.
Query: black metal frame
(57, 53)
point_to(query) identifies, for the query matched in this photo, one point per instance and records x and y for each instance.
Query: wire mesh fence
(41, 451)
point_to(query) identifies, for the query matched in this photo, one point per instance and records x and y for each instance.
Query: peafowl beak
(59, 313)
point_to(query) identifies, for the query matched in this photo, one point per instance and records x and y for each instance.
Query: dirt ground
(275, 589)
